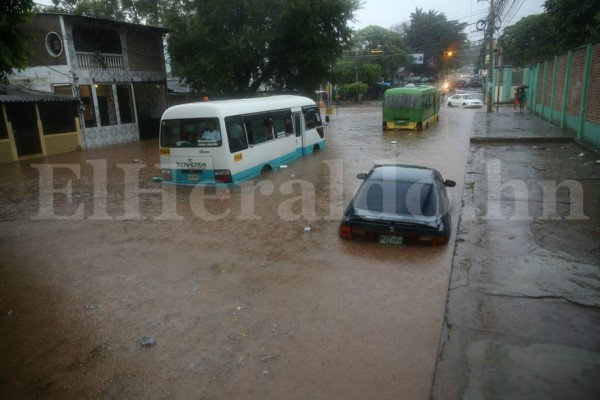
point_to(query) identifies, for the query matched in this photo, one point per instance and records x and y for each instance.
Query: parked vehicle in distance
(474, 83)
(399, 204)
(464, 100)
(410, 107)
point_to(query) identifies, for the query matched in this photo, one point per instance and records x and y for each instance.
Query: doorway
(23, 118)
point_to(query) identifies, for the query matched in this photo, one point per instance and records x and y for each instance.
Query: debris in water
(137, 161)
(157, 179)
(148, 342)
(283, 166)
(307, 229)
(393, 142)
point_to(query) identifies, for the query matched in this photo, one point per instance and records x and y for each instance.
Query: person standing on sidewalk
(522, 100)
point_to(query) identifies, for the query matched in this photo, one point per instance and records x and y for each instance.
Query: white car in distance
(464, 100)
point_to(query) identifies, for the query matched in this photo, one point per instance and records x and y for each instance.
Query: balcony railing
(100, 61)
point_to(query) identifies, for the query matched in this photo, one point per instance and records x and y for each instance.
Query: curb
(501, 139)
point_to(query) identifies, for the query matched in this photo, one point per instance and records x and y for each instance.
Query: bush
(351, 90)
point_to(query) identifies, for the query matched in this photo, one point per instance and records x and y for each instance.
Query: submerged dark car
(399, 204)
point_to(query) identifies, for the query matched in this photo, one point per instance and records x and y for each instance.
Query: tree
(107, 9)
(574, 22)
(531, 40)
(394, 53)
(13, 45)
(243, 45)
(150, 12)
(564, 25)
(432, 34)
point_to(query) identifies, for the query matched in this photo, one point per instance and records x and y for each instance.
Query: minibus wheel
(265, 168)
(316, 148)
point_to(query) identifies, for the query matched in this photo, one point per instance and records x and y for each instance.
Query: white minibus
(229, 141)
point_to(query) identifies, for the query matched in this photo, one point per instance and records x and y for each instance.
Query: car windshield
(469, 97)
(397, 198)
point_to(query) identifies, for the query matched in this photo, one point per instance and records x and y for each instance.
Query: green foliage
(370, 72)
(431, 34)
(395, 53)
(359, 64)
(244, 45)
(346, 70)
(530, 40)
(13, 45)
(108, 9)
(574, 22)
(151, 12)
(351, 90)
(565, 24)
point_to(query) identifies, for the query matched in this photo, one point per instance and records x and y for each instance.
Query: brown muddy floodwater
(115, 289)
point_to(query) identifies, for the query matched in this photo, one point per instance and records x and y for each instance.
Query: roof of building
(20, 94)
(105, 21)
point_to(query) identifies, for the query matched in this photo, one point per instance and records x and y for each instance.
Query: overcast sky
(386, 13)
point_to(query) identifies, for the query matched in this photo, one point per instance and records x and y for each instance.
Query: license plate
(192, 177)
(385, 239)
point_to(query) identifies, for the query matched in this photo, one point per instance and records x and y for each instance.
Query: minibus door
(299, 133)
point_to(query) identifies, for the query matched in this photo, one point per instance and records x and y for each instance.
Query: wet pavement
(523, 309)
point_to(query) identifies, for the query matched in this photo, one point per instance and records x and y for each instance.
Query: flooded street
(119, 288)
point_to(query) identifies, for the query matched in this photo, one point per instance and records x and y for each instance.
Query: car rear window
(394, 197)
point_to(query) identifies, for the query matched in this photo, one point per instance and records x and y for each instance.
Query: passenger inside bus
(289, 127)
(212, 132)
(269, 129)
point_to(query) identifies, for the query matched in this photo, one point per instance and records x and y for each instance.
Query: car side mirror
(449, 183)
(362, 175)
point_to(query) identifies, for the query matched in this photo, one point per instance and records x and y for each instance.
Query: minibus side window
(235, 134)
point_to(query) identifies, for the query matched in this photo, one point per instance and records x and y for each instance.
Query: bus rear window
(192, 132)
(403, 101)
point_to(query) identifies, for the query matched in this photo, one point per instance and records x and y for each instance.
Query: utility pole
(490, 72)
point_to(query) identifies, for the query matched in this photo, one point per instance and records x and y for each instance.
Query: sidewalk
(523, 309)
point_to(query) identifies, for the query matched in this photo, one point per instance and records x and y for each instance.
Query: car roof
(402, 173)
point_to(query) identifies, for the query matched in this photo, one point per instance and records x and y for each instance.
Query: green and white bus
(410, 107)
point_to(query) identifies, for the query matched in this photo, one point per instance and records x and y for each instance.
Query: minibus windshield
(192, 132)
